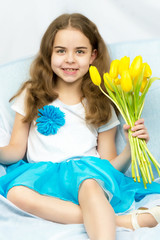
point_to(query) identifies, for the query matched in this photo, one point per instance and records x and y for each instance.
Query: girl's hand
(139, 130)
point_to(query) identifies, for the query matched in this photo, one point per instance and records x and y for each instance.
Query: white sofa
(16, 224)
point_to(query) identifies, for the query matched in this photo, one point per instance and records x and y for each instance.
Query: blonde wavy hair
(40, 86)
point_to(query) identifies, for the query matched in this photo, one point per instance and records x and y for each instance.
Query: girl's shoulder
(19, 103)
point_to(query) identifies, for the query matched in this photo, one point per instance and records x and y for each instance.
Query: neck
(69, 93)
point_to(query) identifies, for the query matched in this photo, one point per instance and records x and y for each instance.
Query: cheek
(84, 63)
(55, 62)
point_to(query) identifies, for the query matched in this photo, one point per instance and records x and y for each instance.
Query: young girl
(68, 128)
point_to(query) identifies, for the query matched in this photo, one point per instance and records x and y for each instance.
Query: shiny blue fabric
(62, 180)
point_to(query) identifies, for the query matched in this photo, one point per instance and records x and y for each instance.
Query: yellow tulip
(106, 76)
(113, 72)
(95, 76)
(126, 81)
(136, 67)
(123, 64)
(117, 81)
(135, 80)
(147, 71)
(144, 82)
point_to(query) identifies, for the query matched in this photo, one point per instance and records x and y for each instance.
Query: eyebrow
(76, 47)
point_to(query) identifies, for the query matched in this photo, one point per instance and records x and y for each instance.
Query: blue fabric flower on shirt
(50, 120)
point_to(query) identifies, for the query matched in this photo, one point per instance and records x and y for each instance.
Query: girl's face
(72, 54)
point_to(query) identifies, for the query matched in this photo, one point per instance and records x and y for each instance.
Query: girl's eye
(61, 51)
(80, 51)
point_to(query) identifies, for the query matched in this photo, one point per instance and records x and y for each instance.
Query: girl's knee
(90, 184)
(20, 196)
(90, 187)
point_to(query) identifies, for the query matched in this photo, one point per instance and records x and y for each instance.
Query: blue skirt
(62, 180)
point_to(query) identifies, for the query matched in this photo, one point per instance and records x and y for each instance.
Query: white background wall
(23, 22)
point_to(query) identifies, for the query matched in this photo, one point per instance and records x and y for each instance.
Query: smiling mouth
(70, 69)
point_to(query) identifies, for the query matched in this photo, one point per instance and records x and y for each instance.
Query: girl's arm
(107, 147)
(107, 150)
(17, 146)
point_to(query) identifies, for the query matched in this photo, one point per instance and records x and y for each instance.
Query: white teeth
(70, 69)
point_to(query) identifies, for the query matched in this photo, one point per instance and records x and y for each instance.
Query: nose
(70, 58)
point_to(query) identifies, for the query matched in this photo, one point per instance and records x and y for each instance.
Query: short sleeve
(113, 122)
(18, 105)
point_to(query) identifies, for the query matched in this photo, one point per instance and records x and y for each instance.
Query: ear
(93, 56)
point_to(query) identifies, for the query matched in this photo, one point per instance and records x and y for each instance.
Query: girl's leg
(56, 210)
(98, 215)
(49, 208)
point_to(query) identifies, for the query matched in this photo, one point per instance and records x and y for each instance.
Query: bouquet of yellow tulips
(126, 87)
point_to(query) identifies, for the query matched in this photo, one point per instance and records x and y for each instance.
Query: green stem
(147, 160)
(133, 156)
(119, 108)
(140, 111)
(126, 109)
(140, 160)
(150, 155)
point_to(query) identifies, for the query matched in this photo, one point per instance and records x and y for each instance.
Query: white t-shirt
(75, 138)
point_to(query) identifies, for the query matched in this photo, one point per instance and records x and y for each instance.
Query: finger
(139, 132)
(139, 127)
(142, 135)
(126, 126)
(139, 121)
